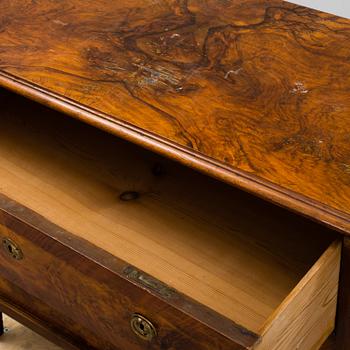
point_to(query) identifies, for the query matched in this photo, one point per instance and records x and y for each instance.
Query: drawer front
(99, 298)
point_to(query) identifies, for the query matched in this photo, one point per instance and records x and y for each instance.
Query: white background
(338, 7)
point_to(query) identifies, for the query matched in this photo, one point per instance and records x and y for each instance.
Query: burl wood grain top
(253, 92)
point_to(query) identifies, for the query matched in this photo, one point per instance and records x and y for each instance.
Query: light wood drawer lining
(218, 245)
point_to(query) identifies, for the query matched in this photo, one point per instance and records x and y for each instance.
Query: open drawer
(122, 249)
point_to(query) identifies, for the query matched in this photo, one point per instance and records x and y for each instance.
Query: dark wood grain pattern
(42, 319)
(253, 92)
(44, 327)
(87, 292)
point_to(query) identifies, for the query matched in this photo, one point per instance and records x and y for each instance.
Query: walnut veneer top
(253, 92)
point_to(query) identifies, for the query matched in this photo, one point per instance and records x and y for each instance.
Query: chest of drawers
(130, 134)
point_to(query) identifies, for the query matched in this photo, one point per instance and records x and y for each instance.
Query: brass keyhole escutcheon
(142, 327)
(12, 249)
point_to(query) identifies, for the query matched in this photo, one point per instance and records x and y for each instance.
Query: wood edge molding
(262, 188)
(120, 269)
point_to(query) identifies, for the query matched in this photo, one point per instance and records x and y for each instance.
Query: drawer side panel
(307, 317)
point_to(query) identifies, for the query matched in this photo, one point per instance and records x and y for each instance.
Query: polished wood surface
(253, 92)
(43, 320)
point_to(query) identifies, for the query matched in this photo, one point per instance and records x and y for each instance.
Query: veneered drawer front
(92, 290)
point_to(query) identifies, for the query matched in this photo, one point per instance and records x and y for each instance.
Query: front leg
(343, 322)
(1, 324)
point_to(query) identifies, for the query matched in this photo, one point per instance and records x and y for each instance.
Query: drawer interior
(238, 255)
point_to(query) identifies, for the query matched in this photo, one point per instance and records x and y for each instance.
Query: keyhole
(12, 249)
(142, 327)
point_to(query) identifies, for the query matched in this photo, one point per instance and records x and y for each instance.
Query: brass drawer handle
(12, 249)
(142, 327)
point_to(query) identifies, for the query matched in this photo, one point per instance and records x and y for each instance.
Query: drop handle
(12, 249)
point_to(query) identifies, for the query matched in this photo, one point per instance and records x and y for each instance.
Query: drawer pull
(142, 327)
(12, 249)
